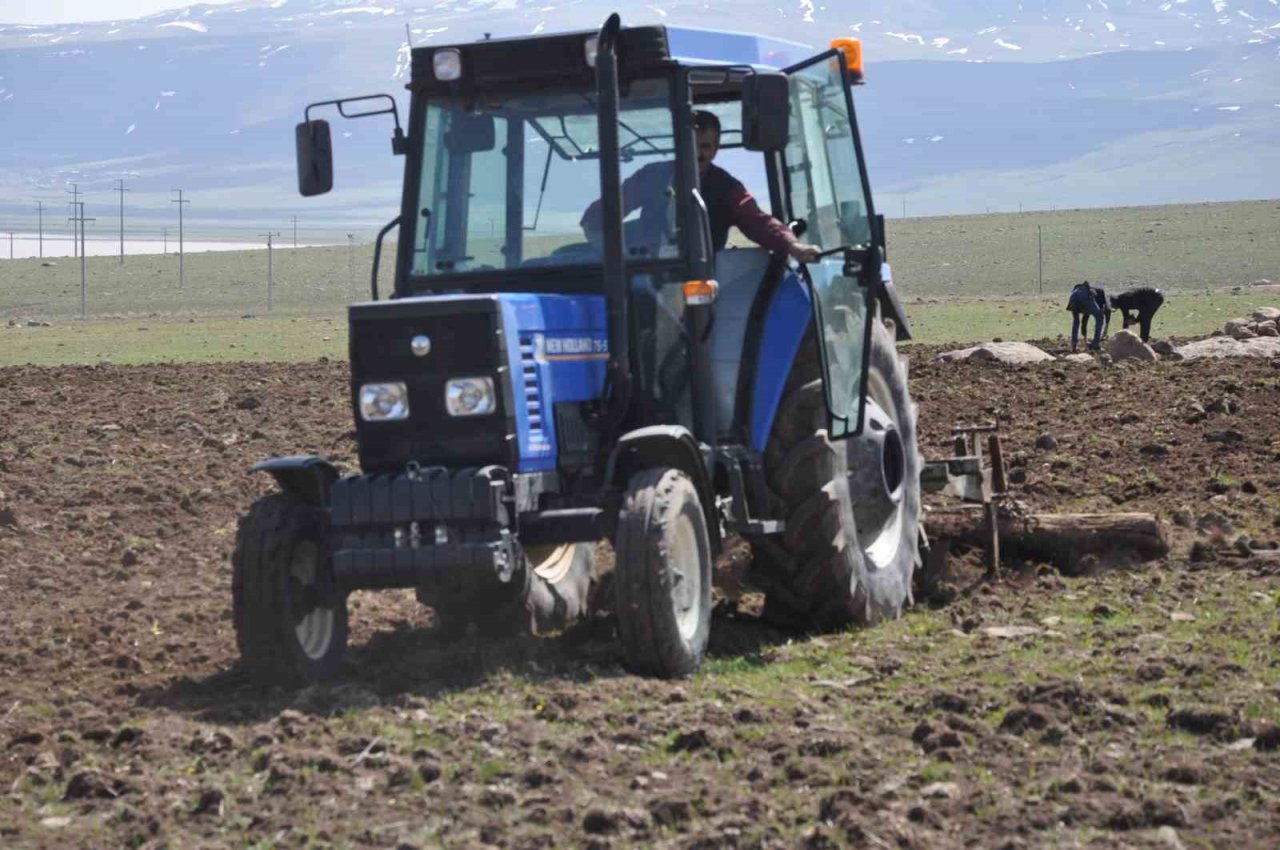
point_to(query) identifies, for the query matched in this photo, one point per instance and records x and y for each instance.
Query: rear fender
(789, 316)
(306, 476)
(665, 446)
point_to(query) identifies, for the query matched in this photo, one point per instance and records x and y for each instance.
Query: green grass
(965, 279)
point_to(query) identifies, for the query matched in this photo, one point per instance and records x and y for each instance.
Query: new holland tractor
(534, 386)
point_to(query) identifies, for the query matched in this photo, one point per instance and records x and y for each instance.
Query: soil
(1134, 707)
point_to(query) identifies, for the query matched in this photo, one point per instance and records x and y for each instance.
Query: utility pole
(74, 191)
(1040, 240)
(271, 278)
(84, 289)
(40, 212)
(295, 232)
(351, 268)
(166, 242)
(121, 189)
(182, 268)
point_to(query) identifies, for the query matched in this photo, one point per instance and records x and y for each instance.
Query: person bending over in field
(1143, 303)
(1104, 306)
(1082, 305)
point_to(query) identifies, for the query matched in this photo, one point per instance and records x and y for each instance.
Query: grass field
(965, 279)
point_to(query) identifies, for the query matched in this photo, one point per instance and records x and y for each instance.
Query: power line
(74, 191)
(182, 269)
(121, 189)
(84, 289)
(271, 278)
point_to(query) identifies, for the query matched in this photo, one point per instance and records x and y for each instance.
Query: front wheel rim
(313, 624)
(685, 569)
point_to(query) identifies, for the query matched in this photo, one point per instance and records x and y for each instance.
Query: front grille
(531, 389)
(465, 342)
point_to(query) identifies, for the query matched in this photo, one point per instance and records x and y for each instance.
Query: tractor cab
(577, 349)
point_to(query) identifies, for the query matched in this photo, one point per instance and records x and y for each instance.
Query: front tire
(291, 625)
(662, 583)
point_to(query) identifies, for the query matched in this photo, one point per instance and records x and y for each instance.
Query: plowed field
(1132, 708)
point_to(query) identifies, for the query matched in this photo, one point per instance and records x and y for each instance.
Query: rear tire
(823, 572)
(291, 626)
(662, 580)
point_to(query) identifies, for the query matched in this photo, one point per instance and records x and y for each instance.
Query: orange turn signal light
(852, 50)
(700, 292)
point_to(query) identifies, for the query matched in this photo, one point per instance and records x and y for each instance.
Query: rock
(129, 558)
(48, 264)
(1267, 314)
(1222, 346)
(33, 323)
(1000, 352)
(1268, 329)
(1125, 345)
(1017, 475)
(1081, 358)
(8, 518)
(1165, 349)
(940, 791)
(1227, 436)
(1234, 328)
(1046, 442)
(1184, 518)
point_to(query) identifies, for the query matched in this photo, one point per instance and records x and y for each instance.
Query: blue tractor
(541, 380)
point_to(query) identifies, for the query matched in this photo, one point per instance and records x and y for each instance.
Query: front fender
(308, 477)
(665, 446)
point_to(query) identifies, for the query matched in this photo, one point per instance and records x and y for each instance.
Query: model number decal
(559, 346)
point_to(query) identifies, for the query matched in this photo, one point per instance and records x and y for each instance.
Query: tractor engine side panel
(558, 350)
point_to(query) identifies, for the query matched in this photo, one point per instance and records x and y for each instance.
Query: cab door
(825, 185)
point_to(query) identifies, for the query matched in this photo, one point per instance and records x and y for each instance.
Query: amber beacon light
(852, 50)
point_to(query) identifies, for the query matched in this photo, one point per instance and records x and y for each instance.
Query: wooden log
(1060, 539)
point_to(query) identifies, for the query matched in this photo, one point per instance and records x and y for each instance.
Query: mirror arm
(399, 143)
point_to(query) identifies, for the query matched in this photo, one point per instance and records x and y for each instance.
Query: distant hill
(969, 106)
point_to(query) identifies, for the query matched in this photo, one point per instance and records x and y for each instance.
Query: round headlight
(384, 402)
(469, 396)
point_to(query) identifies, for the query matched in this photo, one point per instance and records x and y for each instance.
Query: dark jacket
(1144, 299)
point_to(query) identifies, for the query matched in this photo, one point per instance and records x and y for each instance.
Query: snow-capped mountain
(969, 105)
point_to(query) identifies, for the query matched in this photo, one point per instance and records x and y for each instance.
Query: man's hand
(805, 253)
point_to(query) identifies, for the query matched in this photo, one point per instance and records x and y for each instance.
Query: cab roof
(532, 62)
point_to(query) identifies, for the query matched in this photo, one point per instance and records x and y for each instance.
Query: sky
(77, 11)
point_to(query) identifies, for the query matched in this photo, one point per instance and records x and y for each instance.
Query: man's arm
(593, 219)
(763, 229)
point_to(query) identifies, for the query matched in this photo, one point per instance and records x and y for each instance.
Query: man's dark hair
(704, 120)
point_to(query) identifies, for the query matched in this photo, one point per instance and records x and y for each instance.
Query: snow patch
(358, 10)
(910, 38)
(132, 127)
(1228, 109)
(194, 26)
(1007, 45)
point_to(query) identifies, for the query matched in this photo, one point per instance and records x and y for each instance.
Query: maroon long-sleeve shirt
(729, 204)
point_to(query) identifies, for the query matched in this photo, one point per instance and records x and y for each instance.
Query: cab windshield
(509, 182)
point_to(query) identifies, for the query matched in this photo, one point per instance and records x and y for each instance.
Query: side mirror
(766, 111)
(470, 133)
(315, 158)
